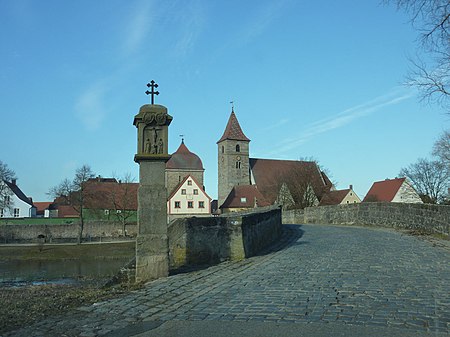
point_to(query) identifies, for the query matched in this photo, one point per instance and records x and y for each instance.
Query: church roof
(184, 159)
(233, 130)
(269, 174)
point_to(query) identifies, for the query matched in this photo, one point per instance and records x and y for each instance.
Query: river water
(16, 273)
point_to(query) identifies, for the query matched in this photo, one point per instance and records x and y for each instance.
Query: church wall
(233, 166)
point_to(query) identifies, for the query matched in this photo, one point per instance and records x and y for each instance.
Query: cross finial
(232, 106)
(152, 85)
(182, 138)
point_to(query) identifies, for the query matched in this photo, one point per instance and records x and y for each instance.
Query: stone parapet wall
(423, 217)
(93, 230)
(211, 240)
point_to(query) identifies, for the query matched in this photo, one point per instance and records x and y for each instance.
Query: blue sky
(318, 79)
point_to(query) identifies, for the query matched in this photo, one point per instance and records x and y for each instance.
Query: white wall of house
(18, 209)
(407, 194)
(189, 200)
(351, 198)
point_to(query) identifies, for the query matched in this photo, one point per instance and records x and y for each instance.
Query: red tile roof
(182, 158)
(41, 206)
(233, 130)
(270, 174)
(249, 192)
(111, 195)
(334, 197)
(384, 190)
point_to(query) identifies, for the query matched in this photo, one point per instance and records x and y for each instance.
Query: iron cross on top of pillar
(153, 86)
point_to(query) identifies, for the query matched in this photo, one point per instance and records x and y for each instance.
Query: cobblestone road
(352, 275)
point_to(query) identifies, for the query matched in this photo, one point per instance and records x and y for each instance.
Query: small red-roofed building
(393, 190)
(43, 208)
(242, 198)
(188, 199)
(340, 197)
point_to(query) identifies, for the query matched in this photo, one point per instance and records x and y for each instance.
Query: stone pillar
(152, 248)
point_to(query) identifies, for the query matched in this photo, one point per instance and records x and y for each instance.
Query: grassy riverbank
(25, 305)
(21, 306)
(68, 251)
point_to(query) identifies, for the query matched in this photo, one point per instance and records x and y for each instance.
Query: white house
(188, 199)
(393, 190)
(17, 204)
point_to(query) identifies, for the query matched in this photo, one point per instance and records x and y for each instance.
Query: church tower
(233, 158)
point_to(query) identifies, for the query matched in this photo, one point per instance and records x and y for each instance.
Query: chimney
(351, 187)
(14, 181)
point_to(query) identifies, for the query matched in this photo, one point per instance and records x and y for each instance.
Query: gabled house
(188, 199)
(393, 190)
(17, 204)
(242, 198)
(340, 197)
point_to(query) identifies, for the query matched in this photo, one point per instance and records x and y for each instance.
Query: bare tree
(431, 179)
(74, 193)
(124, 200)
(441, 149)
(6, 174)
(301, 186)
(432, 20)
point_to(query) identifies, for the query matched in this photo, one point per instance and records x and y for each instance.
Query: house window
(201, 204)
(183, 191)
(7, 199)
(106, 211)
(177, 204)
(243, 200)
(118, 211)
(16, 212)
(195, 191)
(190, 204)
(189, 182)
(2, 213)
(238, 148)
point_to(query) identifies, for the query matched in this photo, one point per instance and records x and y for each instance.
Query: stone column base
(152, 257)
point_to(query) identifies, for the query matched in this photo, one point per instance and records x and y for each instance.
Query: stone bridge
(319, 280)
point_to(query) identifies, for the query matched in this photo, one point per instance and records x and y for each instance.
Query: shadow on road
(289, 237)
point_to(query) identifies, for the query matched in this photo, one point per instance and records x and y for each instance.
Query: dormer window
(238, 148)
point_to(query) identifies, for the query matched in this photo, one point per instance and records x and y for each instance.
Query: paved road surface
(320, 281)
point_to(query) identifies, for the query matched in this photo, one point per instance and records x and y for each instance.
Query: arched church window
(238, 164)
(238, 148)
(223, 149)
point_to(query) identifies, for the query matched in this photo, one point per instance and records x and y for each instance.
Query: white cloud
(89, 107)
(344, 118)
(139, 24)
(263, 18)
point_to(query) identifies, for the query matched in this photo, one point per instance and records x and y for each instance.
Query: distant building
(242, 198)
(107, 198)
(188, 199)
(20, 206)
(43, 208)
(340, 197)
(393, 190)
